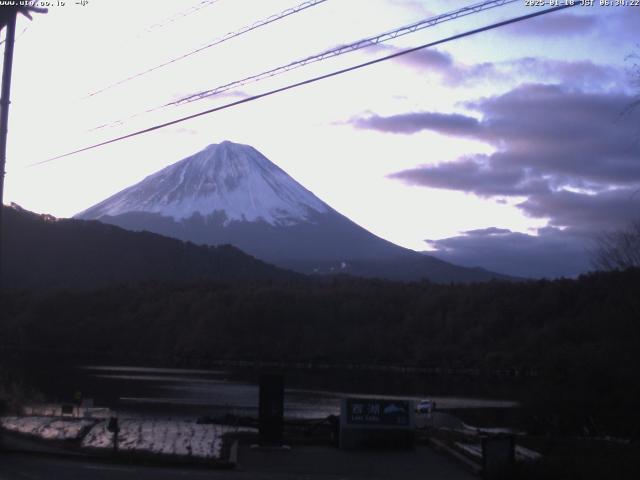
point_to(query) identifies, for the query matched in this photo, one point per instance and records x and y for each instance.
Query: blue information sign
(363, 411)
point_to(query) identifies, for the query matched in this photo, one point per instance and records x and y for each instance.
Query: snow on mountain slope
(228, 178)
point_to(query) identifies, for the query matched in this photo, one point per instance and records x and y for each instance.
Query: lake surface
(141, 391)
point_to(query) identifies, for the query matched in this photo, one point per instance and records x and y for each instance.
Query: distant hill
(41, 251)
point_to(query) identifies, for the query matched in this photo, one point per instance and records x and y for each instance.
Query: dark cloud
(551, 253)
(431, 60)
(590, 212)
(474, 174)
(572, 153)
(477, 72)
(547, 138)
(573, 156)
(426, 58)
(449, 124)
(557, 25)
(579, 73)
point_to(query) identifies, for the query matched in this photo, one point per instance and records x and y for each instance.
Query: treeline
(565, 327)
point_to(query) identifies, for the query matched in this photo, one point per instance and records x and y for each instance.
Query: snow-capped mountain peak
(227, 178)
(232, 194)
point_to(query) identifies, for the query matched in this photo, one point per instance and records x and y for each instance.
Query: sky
(511, 149)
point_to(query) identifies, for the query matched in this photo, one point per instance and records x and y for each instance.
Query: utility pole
(8, 16)
(4, 113)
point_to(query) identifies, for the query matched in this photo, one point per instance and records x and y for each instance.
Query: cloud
(565, 147)
(572, 155)
(474, 174)
(579, 73)
(620, 27)
(558, 25)
(591, 212)
(427, 58)
(551, 253)
(431, 60)
(569, 138)
(449, 124)
(613, 25)
(582, 73)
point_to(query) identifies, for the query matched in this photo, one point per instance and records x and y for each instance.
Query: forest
(560, 325)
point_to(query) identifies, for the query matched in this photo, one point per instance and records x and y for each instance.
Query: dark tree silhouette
(619, 249)
(634, 75)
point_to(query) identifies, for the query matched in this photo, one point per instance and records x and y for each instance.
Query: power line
(312, 80)
(360, 44)
(19, 35)
(217, 41)
(185, 13)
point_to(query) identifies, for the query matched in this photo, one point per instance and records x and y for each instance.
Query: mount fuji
(230, 193)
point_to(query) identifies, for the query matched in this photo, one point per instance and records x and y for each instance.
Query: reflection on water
(442, 402)
(119, 368)
(189, 392)
(157, 378)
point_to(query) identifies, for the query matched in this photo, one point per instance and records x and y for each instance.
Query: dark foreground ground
(308, 462)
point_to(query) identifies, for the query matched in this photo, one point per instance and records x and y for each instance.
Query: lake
(309, 394)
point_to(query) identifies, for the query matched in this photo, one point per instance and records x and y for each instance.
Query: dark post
(271, 409)
(4, 112)
(498, 457)
(114, 428)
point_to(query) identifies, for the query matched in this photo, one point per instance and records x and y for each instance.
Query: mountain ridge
(41, 251)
